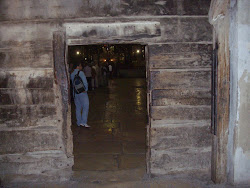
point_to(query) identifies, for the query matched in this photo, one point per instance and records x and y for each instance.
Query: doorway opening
(116, 139)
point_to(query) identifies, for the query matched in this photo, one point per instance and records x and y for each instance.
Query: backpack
(78, 84)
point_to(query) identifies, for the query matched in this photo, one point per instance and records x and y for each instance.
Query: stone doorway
(178, 93)
(118, 119)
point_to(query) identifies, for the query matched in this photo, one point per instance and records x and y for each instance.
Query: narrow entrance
(116, 139)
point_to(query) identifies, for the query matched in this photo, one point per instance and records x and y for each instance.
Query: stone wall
(31, 112)
(239, 141)
(179, 42)
(231, 156)
(180, 109)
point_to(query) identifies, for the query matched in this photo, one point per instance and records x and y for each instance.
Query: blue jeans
(82, 108)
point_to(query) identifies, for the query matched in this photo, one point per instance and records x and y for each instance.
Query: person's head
(78, 65)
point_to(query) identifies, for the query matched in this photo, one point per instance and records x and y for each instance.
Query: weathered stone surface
(34, 162)
(179, 48)
(24, 116)
(100, 8)
(195, 29)
(27, 79)
(176, 79)
(26, 96)
(62, 84)
(174, 137)
(169, 29)
(179, 160)
(165, 7)
(26, 37)
(27, 54)
(195, 7)
(181, 112)
(181, 97)
(94, 8)
(28, 141)
(136, 30)
(18, 33)
(181, 60)
(174, 123)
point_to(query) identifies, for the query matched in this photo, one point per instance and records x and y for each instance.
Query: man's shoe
(86, 125)
(81, 125)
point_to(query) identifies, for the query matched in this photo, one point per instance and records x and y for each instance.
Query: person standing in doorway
(104, 71)
(93, 74)
(87, 70)
(96, 78)
(81, 99)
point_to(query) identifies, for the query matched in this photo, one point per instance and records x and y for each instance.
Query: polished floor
(117, 137)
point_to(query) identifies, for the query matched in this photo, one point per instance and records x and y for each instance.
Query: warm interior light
(138, 51)
(78, 53)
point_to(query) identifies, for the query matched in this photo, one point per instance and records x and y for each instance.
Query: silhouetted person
(87, 70)
(104, 75)
(93, 75)
(81, 100)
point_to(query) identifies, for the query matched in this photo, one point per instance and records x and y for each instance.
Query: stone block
(181, 112)
(81, 9)
(15, 33)
(180, 79)
(181, 61)
(195, 7)
(195, 29)
(125, 30)
(179, 123)
(34, 163)
(29, 141)
(27, 79)
(26, 96)
(27, 54)
(180, 160)
(181, 97)
(172, 137)
(179, 48)
(25, 116)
